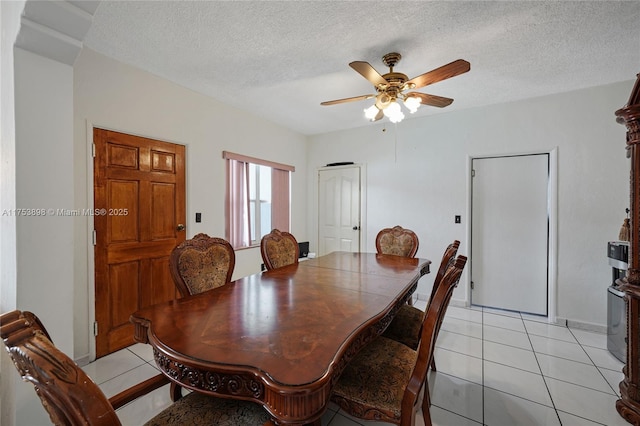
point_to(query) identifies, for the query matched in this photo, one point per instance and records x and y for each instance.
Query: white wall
(417, 177)
(10, 23)
(44, 176)
(116, 96)
(44, 164)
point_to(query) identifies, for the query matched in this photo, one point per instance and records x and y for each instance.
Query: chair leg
(426, 397)
(427, 416)
(433, 364)
(175, 391)
(426, 403)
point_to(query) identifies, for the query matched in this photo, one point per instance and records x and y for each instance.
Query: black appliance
(304, 249)
(618, 256)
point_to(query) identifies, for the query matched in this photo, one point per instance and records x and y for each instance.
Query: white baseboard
(587, 326)
(565, 322)
(458, 303)
(83, 360)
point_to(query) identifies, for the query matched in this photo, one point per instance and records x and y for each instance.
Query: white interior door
(338, 210)
(510, 233)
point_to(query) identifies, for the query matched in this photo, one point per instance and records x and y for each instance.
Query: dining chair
(407, 324)
(279, 249)
(384, 380)
(397, 241)
(70, 397)
(201, 263)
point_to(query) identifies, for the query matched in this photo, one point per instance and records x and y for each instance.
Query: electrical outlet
(458, 219)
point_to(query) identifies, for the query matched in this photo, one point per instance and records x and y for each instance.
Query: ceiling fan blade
(355, 98)
(368, 72)
(444, 72)
(431, 100)
(378, 116)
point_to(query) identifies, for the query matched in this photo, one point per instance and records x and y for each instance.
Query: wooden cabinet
(629, 403)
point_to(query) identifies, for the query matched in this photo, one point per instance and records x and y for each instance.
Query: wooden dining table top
(280, 337)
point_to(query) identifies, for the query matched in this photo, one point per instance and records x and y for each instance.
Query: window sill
(247, 247)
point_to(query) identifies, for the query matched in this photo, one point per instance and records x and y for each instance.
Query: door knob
(355, 228)
(180, 227)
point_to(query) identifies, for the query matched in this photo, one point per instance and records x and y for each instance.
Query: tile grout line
(592, 362)
(482, 365)
(544, 379)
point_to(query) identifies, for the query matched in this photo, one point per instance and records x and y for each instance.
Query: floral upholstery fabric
(197, 409)
(204, 270)
(397, 245)
(406, 326)
(397, 241)
(281, 252)
(373, 383)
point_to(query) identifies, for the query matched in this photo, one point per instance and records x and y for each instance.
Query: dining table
(281, 337)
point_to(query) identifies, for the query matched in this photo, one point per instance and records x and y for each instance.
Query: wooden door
(339, 210)
(139, 216)
(510, 233)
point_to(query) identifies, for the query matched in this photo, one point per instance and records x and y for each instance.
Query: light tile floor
(494, 368)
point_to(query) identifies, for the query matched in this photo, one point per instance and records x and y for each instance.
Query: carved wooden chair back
(67, 393)
(397, 241)
(279, 249)
(406, 326)
(431, 327)
(201, 263)
(447, 260)
(70, 397)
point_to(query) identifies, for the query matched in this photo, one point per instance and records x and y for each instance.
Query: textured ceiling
(279, 60)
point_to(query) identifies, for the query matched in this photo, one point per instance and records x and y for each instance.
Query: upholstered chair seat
(279, 249)
(393, 364)
(197, 409)
(201, 263)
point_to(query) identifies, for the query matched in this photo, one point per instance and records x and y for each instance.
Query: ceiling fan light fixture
(383, 100)
(412, 103)
(394, 112)
(371, 112)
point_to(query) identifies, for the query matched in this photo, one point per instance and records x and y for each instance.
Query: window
(259, 201)
(257, 198)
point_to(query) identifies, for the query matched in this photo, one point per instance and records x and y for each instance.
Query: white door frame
(363, 200)
(552, 274)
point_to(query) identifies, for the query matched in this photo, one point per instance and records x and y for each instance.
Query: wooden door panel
(163, 223)
(122, 214)
(160, 275)
(123, 283)
(122, 156)
(162, 162)
(139, 251)
(140, 185)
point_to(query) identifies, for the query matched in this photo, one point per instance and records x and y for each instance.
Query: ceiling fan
(391, 88)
